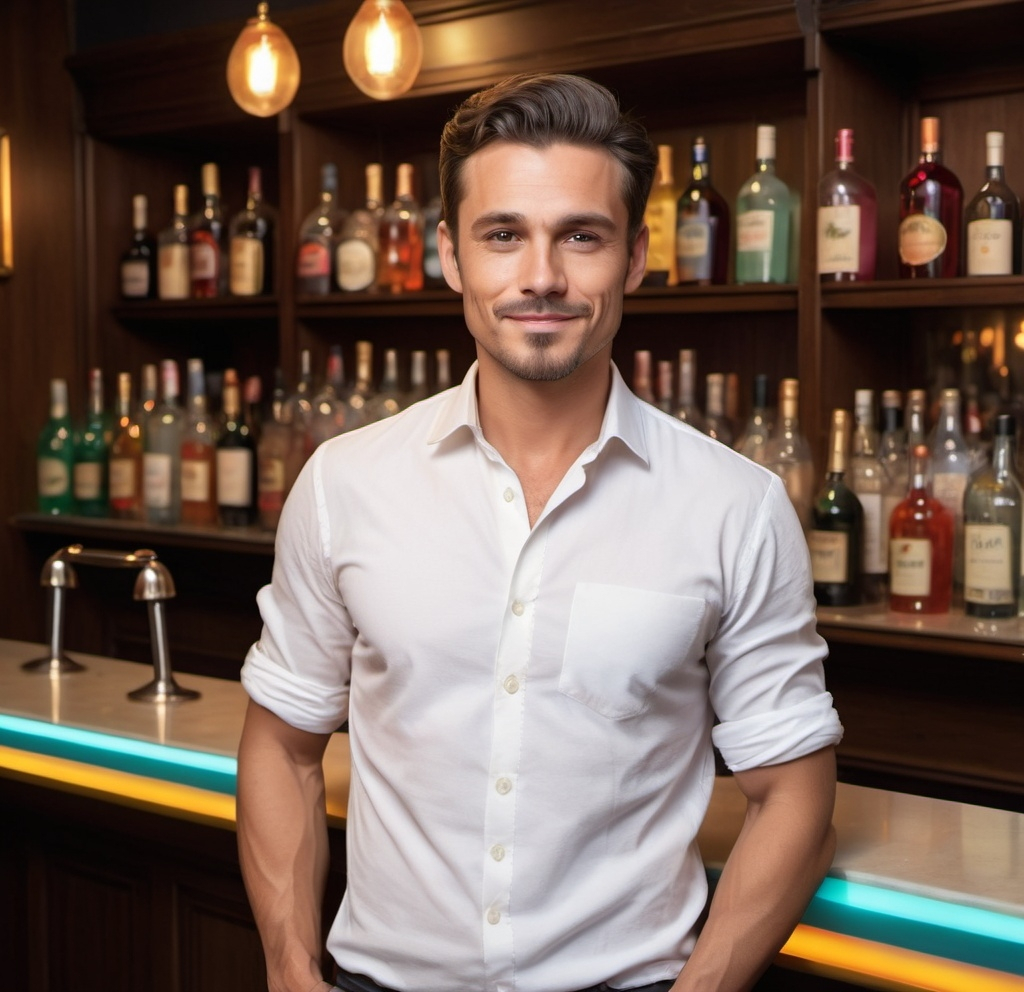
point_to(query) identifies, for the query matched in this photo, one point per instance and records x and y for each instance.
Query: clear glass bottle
(718, 424)
(892, 453)
(931, 205)
(665, 400)
(174, 280)
(198, 452)
(298, 415)
(388, 399)
(642, 384)
(138, 263)
(401, 238)
(920, 545)
(355, 263)
(206, 239)
(236, 459)
(328, 416)
(55, 455)
(418, 389)
(272, 456)
(442, 370)
(687, 410)
(91, 454)
(753, 440)
(916, 419)
(314, 275)
(660, 218)
(161, 457)
(788, 454)
(869, 479)
(836, 537)
(951, 469)
(125, 465)
(702, 226)
(763, 220)
(847, 219)
(992, 531)
(361, 397)
(993, 219)
(148, 395)
(251, 243)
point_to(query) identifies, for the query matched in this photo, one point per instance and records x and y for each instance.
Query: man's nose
(542, 272)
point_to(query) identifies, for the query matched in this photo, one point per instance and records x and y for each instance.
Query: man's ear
(637, 259)
(449, 258)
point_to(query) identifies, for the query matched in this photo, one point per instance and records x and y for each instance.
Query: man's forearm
(783, 851)
(282, 844)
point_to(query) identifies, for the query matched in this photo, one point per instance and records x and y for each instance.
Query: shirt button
(493, 916)
(509, 495)
(511, 685)
(498, 852)
(503, 786)
(518, 608)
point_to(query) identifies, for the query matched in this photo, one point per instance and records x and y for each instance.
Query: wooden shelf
(902, 294)
(224, 308)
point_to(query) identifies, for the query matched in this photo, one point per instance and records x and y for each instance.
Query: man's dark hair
(542, 109)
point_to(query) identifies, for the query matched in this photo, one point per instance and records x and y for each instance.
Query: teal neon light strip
(161, 761)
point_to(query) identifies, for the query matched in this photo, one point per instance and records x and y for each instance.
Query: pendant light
(383, 49)
(263, 67)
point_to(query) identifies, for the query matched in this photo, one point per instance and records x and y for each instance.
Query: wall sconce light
(383, 50)
(6, 224)
(263, 67)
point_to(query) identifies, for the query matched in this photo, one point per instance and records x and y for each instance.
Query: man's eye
(504, 237)
(582, 237)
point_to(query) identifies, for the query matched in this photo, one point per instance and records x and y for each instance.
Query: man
(532, 597)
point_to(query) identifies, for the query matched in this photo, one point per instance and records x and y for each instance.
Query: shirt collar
(623, 416)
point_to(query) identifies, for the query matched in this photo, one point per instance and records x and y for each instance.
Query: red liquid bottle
(847, 219)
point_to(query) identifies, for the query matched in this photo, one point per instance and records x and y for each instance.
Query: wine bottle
(359, 247)
(892, 453)
(664, 398)
(138, 263)
(148, 395)
(251, 243)
(753, 440)
(916, 424)
(55, 455)
(387, 401)
(847, 219)
(951, 469)
(161, 456)
(125, 465)
(992, 531)
(836, 537)
(401, 238)
(198, 447)
(206, 239)
(252, 396)
(931, 203)
(993, 219)
(660, 218)
(174, 279)
(869, 479)
(788, 454)
(763, 219)
(361, 397)
(236, 459)
(272, 472)
(642, 385)
(91, 453)
(702, 226)
(687, 410)
(717, 423)
(920, 546)
(313, 270)
(329, 406)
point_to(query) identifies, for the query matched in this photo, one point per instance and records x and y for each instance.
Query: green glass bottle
(55, 455)
(91, 452)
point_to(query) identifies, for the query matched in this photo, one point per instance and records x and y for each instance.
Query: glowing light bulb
(263, 67)
(383, 50)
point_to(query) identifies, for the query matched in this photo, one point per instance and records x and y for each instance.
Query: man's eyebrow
(498, 218)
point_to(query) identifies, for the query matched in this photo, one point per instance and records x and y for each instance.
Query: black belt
(348, 982)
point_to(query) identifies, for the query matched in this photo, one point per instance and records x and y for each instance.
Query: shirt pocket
(622, 643)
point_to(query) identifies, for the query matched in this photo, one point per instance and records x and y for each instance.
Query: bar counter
(922, 894)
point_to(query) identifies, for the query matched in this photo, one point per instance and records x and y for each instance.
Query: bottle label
(875, 552)
(271, 483)
(910, 566)
(135, 279)
(990, 248)
(122, 479)
(88, 480)
(234, 477)
(173, 281)
(754, 230)
(922, 239)
(246, 266)
(829, 552)
(987, 564)
(661, 221)
(693, 249)
(53, 477)
(357, 265)
(195, 480)
(314, 260)
(156, 480)
(203, 260)
(839, 238)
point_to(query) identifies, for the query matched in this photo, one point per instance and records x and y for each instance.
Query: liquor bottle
(387, 401)
(660, 218)
(951, 469)
(702, 226)
(360, 399)
(837, 535)
(314, 275)
(732, 399)
(401, 239)
(125, 465)
(642, 385)
(992, 531)
(138, 263)
(788, 454)
(355, 262)
(417, 379)
(753, 440)
(931, 203)
(91, 453)
(763, 219)
(198, 453)
(298, 415)
(718, 425)
(847, 219)
(206, 239)
(664, 399)
(252, 394)
(920, 546)
(329, 406)
(251, 243)
(916, 423)
(892, 453)
(272, 467)
(161, 452)
(55, 455)
(687, 410)
(870, 482)
(433, 277)
(442, 370)
(173, 259)
(974, 429)
(236, 459)
(993, 219)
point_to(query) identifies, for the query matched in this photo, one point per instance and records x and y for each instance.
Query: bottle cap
(994, 147)
(844, 144)
(765, 142)
(1005, 425)
(929, 134)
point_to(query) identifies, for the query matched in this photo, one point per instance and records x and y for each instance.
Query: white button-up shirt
(532, 710)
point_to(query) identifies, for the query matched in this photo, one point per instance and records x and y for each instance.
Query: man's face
(543, 257)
